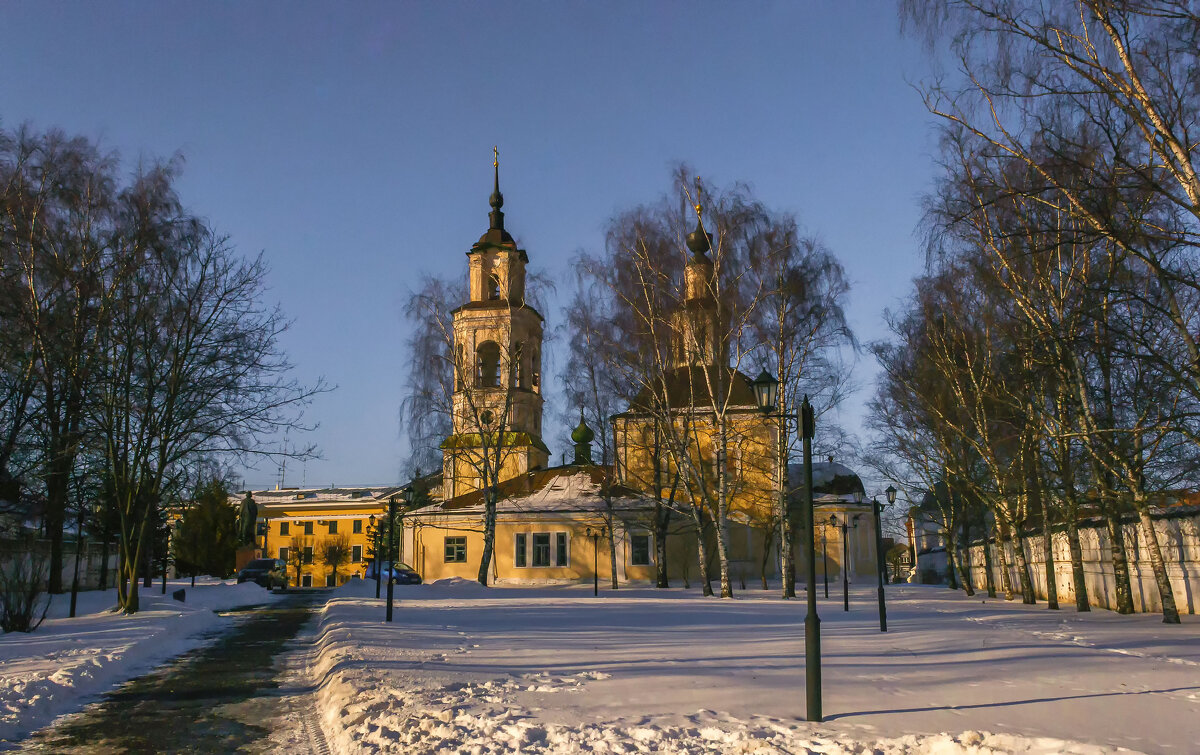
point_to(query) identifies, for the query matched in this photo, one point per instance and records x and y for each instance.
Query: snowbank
(553, 670)
(66, 662)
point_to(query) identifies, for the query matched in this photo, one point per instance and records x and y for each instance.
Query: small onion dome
(582, 433)
(698, 241)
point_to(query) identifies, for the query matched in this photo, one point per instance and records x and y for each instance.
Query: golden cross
(495, 157)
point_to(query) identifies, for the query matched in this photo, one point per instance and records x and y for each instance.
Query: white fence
(90, 558)
(1178, 538)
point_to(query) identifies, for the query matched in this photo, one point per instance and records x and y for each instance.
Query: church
(576, 521)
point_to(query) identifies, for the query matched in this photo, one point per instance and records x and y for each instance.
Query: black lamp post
(877, 508)
(766, 393)
(375, 553)
(846, 526)
(404, 494)
(595, 535)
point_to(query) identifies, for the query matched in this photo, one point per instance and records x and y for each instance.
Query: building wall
(319, 519)
(1178, 537)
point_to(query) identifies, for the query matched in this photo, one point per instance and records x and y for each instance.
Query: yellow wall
(319, 518)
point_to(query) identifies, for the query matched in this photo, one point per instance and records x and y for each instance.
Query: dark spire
(497, 199)
(698, 241)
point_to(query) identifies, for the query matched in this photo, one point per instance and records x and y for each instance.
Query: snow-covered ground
(464, 669)
(65, 663)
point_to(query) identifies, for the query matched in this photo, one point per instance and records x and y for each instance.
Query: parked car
(401, 574)
(265, 572)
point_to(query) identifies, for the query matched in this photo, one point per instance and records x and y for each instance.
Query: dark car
(402, 574)
(265, 572)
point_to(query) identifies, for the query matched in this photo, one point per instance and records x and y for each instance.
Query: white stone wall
(1178, 538)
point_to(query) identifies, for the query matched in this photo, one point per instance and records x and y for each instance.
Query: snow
(66, 662)
(551, 669)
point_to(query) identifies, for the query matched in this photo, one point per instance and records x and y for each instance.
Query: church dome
(582, 433)
(830, 480)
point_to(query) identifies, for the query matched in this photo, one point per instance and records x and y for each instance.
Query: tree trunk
(702, 550)
(1165, 593)
(1028, 596)
(1002, 555)
(1048, 556)
(988, 578)
(768, 538)
(489, 534)
(1120, 562)
(662, 519)
(722, 519)
(1078, 579)
(56, 507)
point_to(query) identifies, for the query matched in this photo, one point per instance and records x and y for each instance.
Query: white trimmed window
(356, 553)
(639, 549)
(520, 549)
(456, 550)
(306, 580)
(283, 554)
(562, 556)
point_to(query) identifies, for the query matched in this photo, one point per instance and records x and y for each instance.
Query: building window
(357, 526)
(535, 366)
(493, 286)
(456, 550)
(560, 549)
(520, 549)
(308, 554)
(330, 581)
(487, 367)
(283, 554)
(333, 528)
(541, 549)
(356, 553)
(639, 549)
(284, 528)
(306, 580)
(308, 528)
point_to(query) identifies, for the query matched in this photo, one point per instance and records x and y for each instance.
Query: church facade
(576, 521)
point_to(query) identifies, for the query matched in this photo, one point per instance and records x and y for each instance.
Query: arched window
(535, 368)
(459, 368)
(493, 286)
(487, 365)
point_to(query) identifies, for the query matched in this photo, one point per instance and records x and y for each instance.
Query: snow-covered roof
(831, 480)
(571, 488)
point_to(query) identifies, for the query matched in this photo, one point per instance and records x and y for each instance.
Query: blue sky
(351, 143)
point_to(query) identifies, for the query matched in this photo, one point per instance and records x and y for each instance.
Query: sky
(351, 144)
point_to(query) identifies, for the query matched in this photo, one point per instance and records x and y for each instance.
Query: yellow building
(307, 528)
(566, 524)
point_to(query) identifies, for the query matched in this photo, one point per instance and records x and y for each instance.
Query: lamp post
(877, 508)
(375, 553)
(766, 392)
(846, 527)
(595, 535)
(404, 494)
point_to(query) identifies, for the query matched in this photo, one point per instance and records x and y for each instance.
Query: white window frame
(356, 554)
(283, 554)
(563, 538)
(306, 580)
(533, 561)
(649, 548)
(521, 550)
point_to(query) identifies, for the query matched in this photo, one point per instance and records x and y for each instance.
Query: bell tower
(695, 323)
(497, 422)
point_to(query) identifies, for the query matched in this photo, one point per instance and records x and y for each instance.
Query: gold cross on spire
(495, 157)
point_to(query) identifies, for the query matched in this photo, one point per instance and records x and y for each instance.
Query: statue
(247, 520)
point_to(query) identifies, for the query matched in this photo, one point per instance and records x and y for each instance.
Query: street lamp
(375, 553)
(877, 509)
(766, 393)
(846, 526)
(595, 535)
(405, 495)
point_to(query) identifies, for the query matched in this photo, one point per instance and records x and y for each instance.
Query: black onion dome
(582, 433)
